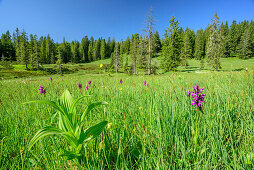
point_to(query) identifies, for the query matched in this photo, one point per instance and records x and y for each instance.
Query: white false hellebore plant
(70, 125)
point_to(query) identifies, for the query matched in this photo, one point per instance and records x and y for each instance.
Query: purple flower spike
(79, 85)
(89, 82)
(42, 90)
(144, 83)
(196, 95)
(51, 79)
(121, 81)
(87, 87)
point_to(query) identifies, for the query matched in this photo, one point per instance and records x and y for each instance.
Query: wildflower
(121, 89)
(121, 81)
(79, 85)
(144, 83)
(89, 82)
(42, 90)
(101, 65)
(51, 79)
(109, 125)
(148, 85)
(196, 95)
(87, 87)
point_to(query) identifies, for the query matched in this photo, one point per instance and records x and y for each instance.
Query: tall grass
(152, 127)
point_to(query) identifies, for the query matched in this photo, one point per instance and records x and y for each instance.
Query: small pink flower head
(121, 81)
(79, 85)
(144, 83)
(87, 87)
(89, 82)
(51, 79)
(197, 95)
(42, 90)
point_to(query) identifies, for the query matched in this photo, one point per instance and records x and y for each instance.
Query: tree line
(135, 52)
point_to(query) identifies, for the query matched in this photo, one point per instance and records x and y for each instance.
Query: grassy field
(152, 127)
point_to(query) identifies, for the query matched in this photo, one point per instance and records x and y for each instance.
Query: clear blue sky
(74, 19)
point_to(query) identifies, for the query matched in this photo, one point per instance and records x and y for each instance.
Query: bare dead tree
(149, 26)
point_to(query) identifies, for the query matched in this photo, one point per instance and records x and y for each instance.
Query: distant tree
(103, 49)
(245, 47)
(126, 45)
(187, 50)
(134, 52)
(59, 59)
(90, 52)
(215, 47)
(22, 49)
(200, 47)
(75, 52)
(171, 48)
(97, 46)
(143, 52)
(112, 45)
(156, 42)
(224, 31)
(82, 50)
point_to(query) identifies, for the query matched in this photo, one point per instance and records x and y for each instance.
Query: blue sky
(74, 19)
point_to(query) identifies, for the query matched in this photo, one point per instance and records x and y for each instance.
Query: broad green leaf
(92, 132)
(75, 103)
(46, 131)
(51, 103)
(70, 138)
(66, 100)
(70, 155)
(90, 107)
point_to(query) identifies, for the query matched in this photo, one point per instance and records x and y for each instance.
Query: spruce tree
(103, 49)
(187, 50)
(244, 49)
(200, 47)
(171, 48)
(215, 47)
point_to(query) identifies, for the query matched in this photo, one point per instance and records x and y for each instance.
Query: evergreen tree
(156, 42)
(75, 52)
(103, 49)
(214, 46)
(90, 52)
(187, 50)
(126, 46)
(97, 47)
(200, 47)
(134, 52)
(171, 48)
(22, 49)
(244, 49)
(224, 31)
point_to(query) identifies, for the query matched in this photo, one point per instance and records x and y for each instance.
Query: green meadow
(150, 127)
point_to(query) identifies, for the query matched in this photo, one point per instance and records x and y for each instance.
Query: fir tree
(244, 49)
(171, 48)
(214, 47)
(200, 47)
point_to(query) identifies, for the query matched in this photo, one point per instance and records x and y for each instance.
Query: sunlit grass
(152, 127)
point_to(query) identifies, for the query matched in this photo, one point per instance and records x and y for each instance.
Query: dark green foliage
(245, 47)
(215, 49)
(171, 46)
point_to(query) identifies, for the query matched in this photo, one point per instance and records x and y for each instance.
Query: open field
(152, 127)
